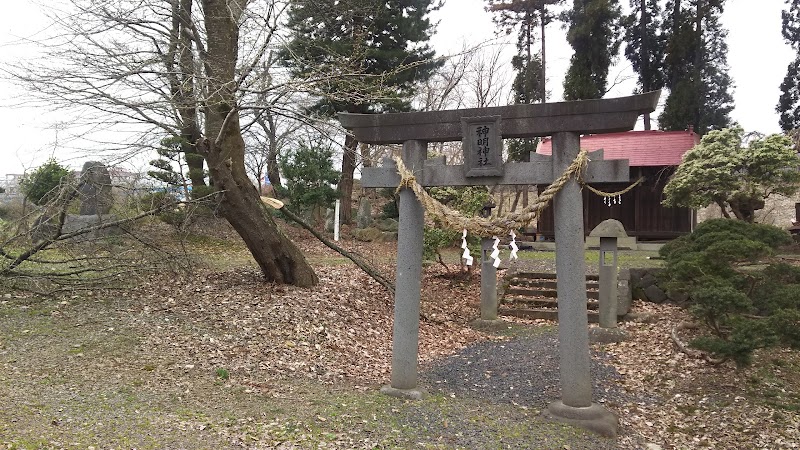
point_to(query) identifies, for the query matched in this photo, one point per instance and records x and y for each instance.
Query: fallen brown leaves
(342, 330)
(260, 332)
(695, 404)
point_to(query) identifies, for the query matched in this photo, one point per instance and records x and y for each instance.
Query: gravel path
(523, 371)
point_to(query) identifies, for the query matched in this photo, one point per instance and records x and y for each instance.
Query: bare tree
(180, 68)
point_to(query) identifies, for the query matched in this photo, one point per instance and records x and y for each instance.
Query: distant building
(10, 185)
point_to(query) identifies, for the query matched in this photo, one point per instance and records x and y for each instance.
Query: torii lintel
(605, 115)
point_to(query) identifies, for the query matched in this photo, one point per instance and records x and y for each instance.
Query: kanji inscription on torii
(483, 146)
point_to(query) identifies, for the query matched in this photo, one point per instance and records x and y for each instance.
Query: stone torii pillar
(565, 121)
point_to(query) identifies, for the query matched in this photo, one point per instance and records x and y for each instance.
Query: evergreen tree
(372, 54)
(529, 81)
(696, 67)
(594, 34)
(645, 46)
(789, 103)
(309, 173)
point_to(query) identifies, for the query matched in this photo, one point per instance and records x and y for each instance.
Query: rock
(655, 294)
(386, 225)
(647, 280)
(370, 234)
(651, 446)
(624, 297)
(389, 236)
(598, 335)
(678, 297)
(74, 223)
(95, 192)
(609, 228)
(329, 220)
(364, 218)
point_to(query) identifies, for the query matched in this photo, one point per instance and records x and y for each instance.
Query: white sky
(757, 57)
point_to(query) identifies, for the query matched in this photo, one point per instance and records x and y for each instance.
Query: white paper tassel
(465, 256)
(513, 246)
(496, 252)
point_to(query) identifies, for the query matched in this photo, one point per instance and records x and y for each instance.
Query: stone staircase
(532, 295)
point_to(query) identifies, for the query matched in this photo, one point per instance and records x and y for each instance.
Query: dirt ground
(216, 358)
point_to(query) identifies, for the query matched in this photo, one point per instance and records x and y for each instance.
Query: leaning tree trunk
(223, 147)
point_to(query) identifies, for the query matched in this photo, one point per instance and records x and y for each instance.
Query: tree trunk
(223, 147)
(346, 181)
(279, 259)
(366, 161)
(543, 17)
(697, 77)
(273, 173)
(190, 130)
(644, 55)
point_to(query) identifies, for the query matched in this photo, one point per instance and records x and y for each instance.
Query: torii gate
(482, 131)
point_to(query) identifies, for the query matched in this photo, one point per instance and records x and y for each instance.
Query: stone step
(542, 313)
(545, 283)
(523, 292)
(530, 302)
(548, 276)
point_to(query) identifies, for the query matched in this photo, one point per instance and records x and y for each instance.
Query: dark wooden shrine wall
(640, 209)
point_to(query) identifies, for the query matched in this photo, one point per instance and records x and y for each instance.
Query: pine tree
(594, 34)
(696, 67)
(789, 102)
(645, 46)
(369, 55)
(529, 81)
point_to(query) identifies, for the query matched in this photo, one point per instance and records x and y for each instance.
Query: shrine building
(653, 155)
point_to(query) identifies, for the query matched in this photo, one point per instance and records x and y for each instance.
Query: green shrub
(41, 185)
(309, 173)
(745, 303)
(467, 200)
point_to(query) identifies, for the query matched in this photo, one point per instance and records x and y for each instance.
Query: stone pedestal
(593, 417)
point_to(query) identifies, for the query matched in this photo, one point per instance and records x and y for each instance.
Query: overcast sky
(757, 57)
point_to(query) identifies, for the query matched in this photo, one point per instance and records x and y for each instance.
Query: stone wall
(778, 211)
(645, 286)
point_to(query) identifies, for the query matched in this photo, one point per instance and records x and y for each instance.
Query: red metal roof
(641, 148)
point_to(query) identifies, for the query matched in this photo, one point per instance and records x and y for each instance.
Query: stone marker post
(609, 234)
(405, 337)
(488, 282)
(608, 282)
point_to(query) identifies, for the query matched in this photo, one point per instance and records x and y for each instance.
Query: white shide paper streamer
(495, 252)
(513, 246)
(466, 256)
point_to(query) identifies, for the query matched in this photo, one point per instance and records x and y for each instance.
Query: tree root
(684, 348)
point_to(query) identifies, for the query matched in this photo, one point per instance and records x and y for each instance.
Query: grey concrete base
(489, 325)
(599, 335)
(593, 418)
(406, 394)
